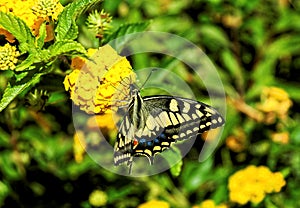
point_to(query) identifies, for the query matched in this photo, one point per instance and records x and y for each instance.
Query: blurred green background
(253, 44)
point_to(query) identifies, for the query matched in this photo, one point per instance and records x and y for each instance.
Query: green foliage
(16, 88)
(253, 45)
(66, 28)
(20, 30)
(38, 55)
(124, 30)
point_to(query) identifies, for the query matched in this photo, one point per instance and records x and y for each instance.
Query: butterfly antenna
(149, 75)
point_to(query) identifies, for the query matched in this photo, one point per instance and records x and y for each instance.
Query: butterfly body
(152, 124)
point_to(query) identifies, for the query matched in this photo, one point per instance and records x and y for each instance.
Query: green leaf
(25, 65)
(195, 174)
(20, 30)
(14, 90)
(231, 64)
(123, 30)
(8, 166)
(67, 28)
(214, 34)
(283, 46)
(42, 36)
(66, 47)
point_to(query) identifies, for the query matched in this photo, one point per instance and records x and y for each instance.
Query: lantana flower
(253, 183)
(33, 13)
(275, 102)
(154, 203)
(102, 84)
(47, 8)
(21, 9)
(209, 204)
(8, 57)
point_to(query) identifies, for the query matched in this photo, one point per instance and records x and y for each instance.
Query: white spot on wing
(156, 148)
(220, 120)
(186, 107)
(173, 105)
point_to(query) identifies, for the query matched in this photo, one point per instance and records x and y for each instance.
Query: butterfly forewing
(165, 119)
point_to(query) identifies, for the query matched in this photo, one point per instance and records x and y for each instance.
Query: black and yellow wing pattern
(152, 124)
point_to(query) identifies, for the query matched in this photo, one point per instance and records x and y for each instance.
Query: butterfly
(153, 123)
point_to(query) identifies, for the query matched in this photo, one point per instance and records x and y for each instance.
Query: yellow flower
(210, 204)
(47, 8)
(98, 198)
(101, 84)
(154, 204)
(8, 57)
(79, 146)
(282, 137)
(275, 101)
(33, 13)
(19, 8)
(253, 183)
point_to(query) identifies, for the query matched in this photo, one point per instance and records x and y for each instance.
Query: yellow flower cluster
(33, 13)
(19, 8)
(8, 57)
(276, 101)
(154, 204)
(209, 204)
(47, 8)
(253, 183)
(102, 83)
(98, 198)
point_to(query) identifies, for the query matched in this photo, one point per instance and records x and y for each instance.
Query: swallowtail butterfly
(153, 123)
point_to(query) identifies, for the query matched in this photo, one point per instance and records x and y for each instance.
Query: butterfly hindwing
(162, 121)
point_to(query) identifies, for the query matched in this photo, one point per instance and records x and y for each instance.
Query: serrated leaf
(14, 90)
(66, 47)
(123, 30)
(67, 28)
(20, 30)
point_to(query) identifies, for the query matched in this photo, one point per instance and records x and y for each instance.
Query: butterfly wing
(167, 119)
